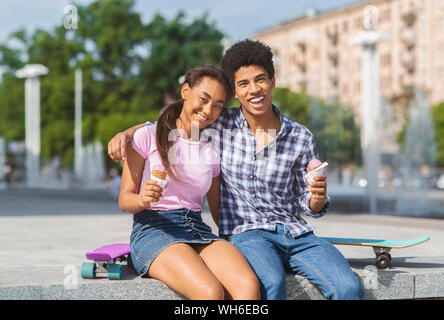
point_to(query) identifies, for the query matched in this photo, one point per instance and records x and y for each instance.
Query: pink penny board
(110, 252)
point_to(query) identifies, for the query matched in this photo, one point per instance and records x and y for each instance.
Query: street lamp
(370, 101)
(31, 73)
(78, 155)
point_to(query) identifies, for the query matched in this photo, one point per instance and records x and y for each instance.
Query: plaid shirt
(261, 188)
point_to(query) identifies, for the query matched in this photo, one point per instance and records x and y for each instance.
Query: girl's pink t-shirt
(198, 162)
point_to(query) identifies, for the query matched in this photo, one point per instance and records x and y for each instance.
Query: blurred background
(366, 77)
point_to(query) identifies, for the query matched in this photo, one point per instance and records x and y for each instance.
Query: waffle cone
(160, 174)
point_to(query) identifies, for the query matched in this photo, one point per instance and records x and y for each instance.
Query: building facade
(313, 53)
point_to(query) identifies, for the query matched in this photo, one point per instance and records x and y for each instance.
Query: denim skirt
(155, 230)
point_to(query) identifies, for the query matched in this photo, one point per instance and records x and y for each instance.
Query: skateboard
(380, 247)
(107, 259)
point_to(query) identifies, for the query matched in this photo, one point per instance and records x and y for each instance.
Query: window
(441, 50)
(386, 82)
(386, 60)
(345, 90)
(440, 24)
(345, 26)
(358, 23)
(441, 75)
(315, 54)
(357, 87)
(385, 15)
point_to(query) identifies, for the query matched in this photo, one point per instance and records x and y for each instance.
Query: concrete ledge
(408, 278)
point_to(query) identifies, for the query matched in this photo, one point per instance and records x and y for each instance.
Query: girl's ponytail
(165, 124)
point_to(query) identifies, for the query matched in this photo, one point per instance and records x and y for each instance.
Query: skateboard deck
(107, 259)
(380, 247)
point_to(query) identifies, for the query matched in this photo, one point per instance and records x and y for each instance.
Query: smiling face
(203, 102)
(253, 88)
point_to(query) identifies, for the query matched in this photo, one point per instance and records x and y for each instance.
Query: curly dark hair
(247, 53)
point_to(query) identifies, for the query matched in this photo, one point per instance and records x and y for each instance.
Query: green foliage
(10, 58)
(60, 134)
(437, 117)
(400, 136)
(292, 104)
(109, 125)
(111, 32)
(127, 67)
(336, 134)
(234, 104)
(438, 125)
(176, 47)
(12, 113)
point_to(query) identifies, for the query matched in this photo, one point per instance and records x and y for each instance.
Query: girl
(169, 240)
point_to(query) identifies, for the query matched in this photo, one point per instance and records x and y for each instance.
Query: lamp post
(370, 101)
(31, 73)
(2, 163)
(78, 156)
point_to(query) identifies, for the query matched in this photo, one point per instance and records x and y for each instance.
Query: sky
(237, 19)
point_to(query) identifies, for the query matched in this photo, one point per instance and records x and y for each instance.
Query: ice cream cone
(313, 164)
(315, 168)
(159, 174)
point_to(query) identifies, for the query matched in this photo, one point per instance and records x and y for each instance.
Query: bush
(438, 125)
(109, 126)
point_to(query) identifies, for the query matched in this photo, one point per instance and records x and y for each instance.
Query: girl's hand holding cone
(150, 193)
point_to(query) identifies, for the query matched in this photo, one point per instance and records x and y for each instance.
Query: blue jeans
(272, 253)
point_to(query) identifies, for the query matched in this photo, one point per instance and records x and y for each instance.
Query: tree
(336, 134)
(12, 119)
(438, 126)
(425, 134)
(176, 47)
(292, 104)
(111, 32)
(57, 95)
(127, 66)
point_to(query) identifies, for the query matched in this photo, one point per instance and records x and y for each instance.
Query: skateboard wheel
(88, 271)
(383, 261)
(115, 272)
(129, 261)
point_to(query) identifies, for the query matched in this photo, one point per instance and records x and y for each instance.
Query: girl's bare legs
(206, 271)
(181, 268)
(231, 268)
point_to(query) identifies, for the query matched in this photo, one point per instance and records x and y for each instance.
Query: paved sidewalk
(44, 228)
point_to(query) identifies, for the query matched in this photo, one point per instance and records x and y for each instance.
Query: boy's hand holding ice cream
(317, 184)
(152, 189)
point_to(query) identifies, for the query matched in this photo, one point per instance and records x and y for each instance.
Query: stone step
(407, 278)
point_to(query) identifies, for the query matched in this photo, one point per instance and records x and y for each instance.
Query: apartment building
(313, 52)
